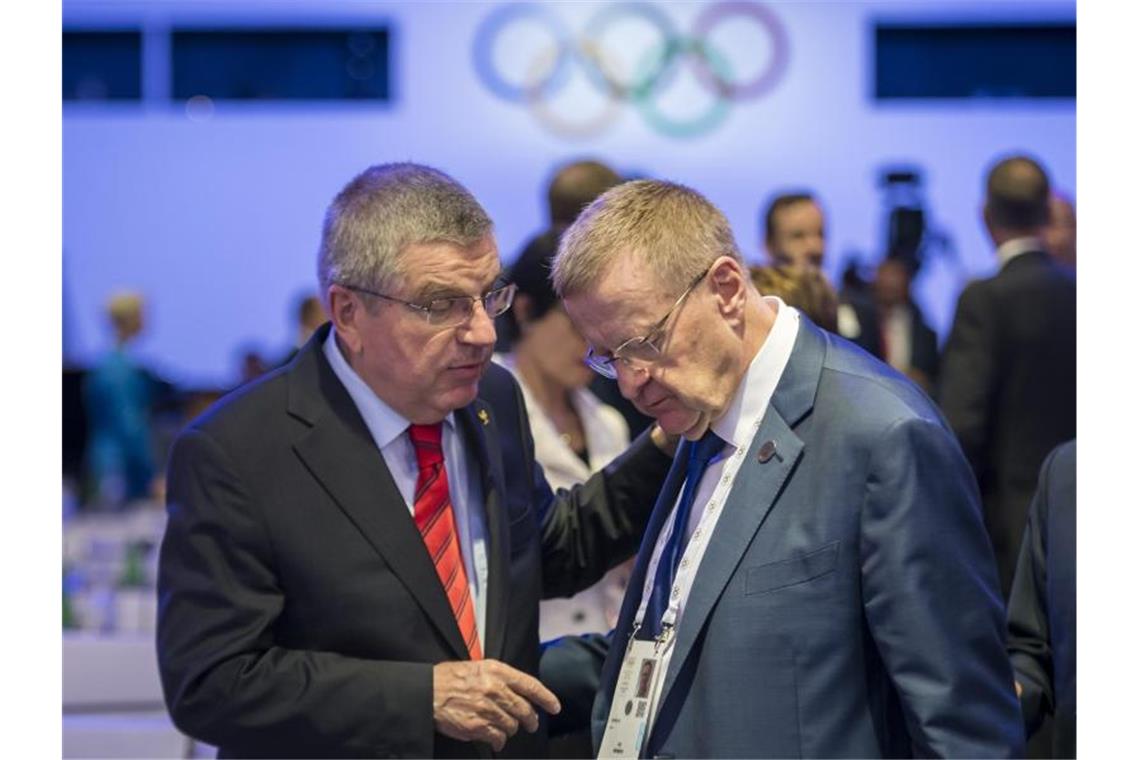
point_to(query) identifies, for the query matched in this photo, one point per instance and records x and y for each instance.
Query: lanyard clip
(663, 637)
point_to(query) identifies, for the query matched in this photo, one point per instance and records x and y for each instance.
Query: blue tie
(700, 453)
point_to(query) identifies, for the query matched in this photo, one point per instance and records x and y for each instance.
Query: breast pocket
(793, 571)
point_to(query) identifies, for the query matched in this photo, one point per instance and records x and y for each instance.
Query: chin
(682, 422)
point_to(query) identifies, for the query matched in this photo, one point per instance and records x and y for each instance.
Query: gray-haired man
(357, 543)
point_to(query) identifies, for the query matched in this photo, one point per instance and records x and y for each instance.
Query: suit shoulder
(866, 388)
(246, 411)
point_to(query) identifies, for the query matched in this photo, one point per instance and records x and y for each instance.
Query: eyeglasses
(637, 353)
(454, 310)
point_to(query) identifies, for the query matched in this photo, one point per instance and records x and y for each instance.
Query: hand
(486, 701)
(665, 442)
(1017, 687)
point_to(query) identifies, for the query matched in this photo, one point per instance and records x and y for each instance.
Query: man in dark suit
(1043, 604)
(357, 543)
(815, 580)
(1008, 381)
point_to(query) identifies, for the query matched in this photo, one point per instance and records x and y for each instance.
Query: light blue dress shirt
(389, 431)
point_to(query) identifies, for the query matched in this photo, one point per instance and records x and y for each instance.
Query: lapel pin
(766, 452)
(484, 417)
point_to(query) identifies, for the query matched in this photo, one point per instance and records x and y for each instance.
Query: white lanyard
(695, 549)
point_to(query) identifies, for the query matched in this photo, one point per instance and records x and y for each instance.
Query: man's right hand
(486, 701)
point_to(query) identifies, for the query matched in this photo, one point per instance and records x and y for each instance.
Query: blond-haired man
(815, 580)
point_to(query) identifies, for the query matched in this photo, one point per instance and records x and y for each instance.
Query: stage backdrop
(212, 207)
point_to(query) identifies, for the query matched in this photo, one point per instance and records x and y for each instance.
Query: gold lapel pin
(484, 417)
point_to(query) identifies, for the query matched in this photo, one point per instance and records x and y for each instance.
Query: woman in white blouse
(575, 433)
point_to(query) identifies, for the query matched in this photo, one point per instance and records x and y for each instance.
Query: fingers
(518, 708)
(487, 701)
(532, 689)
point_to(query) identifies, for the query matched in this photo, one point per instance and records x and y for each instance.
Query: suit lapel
(758, 484)
(341, 454)
(754, 491)
(479, 428)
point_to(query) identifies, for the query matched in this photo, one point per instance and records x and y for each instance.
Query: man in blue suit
(815, 580)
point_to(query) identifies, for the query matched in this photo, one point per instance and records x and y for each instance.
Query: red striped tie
(436, 521)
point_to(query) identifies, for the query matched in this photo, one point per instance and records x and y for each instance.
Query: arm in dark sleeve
(1027, 619)
(931, 599)
(599, 524)
(967, 374)
(571, 667)
(226, 679)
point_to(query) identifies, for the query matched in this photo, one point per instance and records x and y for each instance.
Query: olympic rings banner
(630, 54)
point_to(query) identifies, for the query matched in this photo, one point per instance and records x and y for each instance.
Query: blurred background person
(795, 236)
(118, 395)
(805, 289)
(1008, 383)
(1060, 235)
(1042, 617)
(908, 342)
(309, 315)
(575, 433)
(573, 187)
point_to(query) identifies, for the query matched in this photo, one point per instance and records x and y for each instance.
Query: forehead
(444, 266)
(626, 301)
(799, 214)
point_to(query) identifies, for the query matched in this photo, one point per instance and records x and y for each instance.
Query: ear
(345, 312)
(729, 282)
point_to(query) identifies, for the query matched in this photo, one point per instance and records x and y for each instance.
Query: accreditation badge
(635, 699)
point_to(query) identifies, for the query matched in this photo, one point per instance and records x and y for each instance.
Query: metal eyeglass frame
(429, 310)
(606, 365)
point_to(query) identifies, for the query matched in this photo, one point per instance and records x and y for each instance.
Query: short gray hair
(672, 229)
(385, 209)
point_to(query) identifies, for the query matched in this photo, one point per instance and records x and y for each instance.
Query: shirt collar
(1010, 249)
(756, 388)
(384, 422)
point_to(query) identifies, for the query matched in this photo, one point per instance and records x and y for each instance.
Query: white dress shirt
(736, 427)
(389, 431)
(1010, 249)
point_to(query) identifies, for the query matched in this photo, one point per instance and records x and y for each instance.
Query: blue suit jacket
(847, 603)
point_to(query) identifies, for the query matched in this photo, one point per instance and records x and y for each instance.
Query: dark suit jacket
(300, 614)
(1043, 604)
(923, 344)
(847, 602)
(1009, 387)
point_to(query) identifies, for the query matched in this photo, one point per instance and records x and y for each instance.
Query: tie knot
(426, 439)
(705, 449)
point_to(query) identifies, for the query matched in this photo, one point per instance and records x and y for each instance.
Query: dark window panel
(975, 61)
(280, 64)
(103, 65)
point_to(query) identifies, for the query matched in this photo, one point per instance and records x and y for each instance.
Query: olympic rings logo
(655, 68)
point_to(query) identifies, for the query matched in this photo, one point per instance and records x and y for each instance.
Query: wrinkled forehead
(441, 265)
(625, 302)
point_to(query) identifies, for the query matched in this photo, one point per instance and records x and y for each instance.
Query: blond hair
(805, 289)
(672, 229)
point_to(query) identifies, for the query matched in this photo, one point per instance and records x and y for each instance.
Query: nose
(479, 329)
(630, 379)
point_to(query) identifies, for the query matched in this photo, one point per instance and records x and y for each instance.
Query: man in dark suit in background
(1043, 604)
(1009, 369)
(815, 580)
(357, 543)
